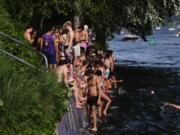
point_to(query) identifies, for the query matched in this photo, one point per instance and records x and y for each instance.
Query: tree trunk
(77, 15)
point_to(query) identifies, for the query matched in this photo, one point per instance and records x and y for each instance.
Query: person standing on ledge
(48, 48)
(28, 34)
(84, 38)
(70, 36)
(93, 99)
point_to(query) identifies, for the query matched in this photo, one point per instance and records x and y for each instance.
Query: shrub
(31, 101)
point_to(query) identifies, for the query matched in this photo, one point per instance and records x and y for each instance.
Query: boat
(129, 37)
(158, 28)
(171, 29)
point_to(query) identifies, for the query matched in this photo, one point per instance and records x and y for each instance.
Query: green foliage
(35, 12)
(5, 22)
(32, 102)
(105, 16)
(8, 25)
(138, 16)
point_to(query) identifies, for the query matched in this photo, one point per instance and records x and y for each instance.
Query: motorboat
(130, 37)
(158, 28)
(171, 29)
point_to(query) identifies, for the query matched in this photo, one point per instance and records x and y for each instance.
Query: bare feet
(105, 113)
(93, 129)
(121, 81)
(165, 104)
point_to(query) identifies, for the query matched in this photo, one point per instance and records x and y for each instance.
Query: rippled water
(164, 52)
(152, 78)
(136, 111)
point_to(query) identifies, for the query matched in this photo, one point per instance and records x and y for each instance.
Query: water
(151, 76)
(165, 52)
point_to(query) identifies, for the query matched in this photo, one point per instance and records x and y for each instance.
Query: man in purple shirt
(48, 49)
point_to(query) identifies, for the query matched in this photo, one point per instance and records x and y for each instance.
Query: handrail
(18, 59)
(25, 46)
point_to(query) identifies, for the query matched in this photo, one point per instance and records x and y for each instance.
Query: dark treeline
(104, 16)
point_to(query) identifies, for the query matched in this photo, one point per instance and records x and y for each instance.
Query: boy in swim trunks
(93, 99)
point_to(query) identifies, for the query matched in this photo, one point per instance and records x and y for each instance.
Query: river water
(151, 73)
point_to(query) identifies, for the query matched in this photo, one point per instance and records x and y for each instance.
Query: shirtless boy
(93, 99)
(28, 34)
(70, 36)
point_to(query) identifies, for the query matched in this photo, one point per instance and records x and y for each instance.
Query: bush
(10, 27)
(31, 102)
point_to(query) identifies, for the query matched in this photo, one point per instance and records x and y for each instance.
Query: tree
(77, 14)
(140, 16)
(105, 16)
(30, 101)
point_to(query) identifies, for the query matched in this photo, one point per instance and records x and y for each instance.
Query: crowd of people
(86, 71)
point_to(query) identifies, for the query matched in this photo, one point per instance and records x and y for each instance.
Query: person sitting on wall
(62, 72)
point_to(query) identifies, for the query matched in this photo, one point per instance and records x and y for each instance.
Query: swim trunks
(51, 58)
(77, 50)
(92, 101)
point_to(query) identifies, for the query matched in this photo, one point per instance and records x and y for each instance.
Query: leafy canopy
(105, 16)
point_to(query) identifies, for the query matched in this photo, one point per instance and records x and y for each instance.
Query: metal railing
(24, 46)
(71, 122)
